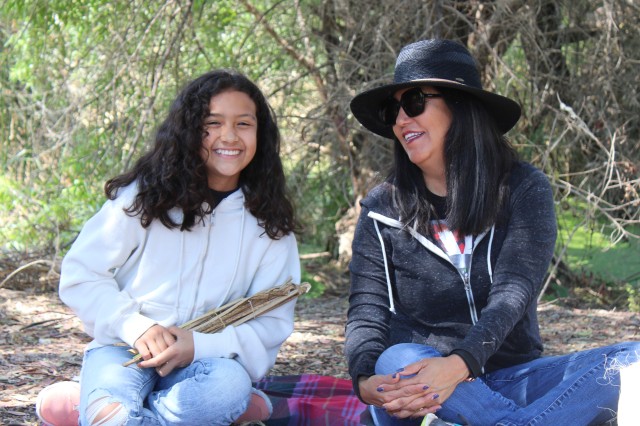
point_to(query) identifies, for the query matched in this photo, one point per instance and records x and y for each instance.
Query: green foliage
(91, 80)
(633, 296)
(308, 266)
(590, 247)
(609, 271)
(317, 287)
(84, 84)
(321, 197)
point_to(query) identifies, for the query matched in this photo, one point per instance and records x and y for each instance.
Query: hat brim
(365, 105)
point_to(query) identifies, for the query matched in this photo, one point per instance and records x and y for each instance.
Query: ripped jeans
(577, 389)
(212, 391)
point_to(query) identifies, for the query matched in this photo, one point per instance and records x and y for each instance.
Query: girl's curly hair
(173, 173)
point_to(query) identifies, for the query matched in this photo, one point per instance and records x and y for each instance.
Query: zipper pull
(465, 280)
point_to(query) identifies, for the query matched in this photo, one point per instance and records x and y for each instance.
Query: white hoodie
(121, 279)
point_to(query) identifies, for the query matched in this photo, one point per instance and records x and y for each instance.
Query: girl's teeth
(227, 152)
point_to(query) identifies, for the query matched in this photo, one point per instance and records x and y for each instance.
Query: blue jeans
(577, 389)
(213, 391)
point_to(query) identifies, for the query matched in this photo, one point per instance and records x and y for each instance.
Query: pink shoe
(259, 409)
(57, 404)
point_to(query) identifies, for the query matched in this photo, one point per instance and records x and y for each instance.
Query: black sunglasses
(412, 101)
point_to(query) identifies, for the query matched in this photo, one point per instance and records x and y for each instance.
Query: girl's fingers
(165, 368)
(168, 338)
(143, 350)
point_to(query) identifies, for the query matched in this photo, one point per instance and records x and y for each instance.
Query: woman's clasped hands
(417, 389)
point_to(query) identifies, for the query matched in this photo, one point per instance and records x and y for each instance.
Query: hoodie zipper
(466, 279)
(467, 288)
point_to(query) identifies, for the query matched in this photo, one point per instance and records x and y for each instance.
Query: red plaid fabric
(313, 400)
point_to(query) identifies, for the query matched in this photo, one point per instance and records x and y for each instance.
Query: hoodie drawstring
(176, 311)
(392, 307)
(203, 255)
(237, 263)
(489, 268)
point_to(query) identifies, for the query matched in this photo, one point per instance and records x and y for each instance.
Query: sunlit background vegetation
(85, 82)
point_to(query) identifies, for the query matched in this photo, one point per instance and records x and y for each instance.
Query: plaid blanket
(313, 400)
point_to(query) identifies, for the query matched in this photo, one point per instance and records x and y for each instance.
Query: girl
(200, 220)
(449, 256)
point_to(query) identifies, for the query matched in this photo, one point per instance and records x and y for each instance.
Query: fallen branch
(28, 265)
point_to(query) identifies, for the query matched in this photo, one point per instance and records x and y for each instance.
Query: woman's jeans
(213, 391)
(577, 389)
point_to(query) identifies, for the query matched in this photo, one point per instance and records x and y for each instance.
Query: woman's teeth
(413, 135)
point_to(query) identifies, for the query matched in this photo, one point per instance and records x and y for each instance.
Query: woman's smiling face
(229, 138)
(423, 136)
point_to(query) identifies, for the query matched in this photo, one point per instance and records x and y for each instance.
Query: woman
(448, 260)
(202, 219)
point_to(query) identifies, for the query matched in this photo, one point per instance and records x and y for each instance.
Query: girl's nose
(229, 135)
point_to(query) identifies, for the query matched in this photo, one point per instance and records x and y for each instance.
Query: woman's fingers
(409, 400)
(420, 412)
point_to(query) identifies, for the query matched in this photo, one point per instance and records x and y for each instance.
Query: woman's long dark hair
(478, 161)
(173, 173)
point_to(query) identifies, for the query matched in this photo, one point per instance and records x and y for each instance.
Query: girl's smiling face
(423, 136)
(229, 138)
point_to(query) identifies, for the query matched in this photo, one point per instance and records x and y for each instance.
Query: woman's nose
(402, 117)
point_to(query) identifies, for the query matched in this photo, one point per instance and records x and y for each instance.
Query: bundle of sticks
(240, 311)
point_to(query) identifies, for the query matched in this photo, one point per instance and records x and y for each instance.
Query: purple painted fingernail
(399, 370)
(425, 387)
(436, 396)
(393, 376)
(380, 389)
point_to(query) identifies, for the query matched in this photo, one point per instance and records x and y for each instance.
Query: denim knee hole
(104, 411)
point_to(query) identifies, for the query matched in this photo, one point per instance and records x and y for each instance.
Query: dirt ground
(41, 342)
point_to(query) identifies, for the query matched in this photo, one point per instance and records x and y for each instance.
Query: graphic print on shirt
(458, 247)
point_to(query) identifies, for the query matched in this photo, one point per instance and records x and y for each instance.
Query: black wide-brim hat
(437, 63)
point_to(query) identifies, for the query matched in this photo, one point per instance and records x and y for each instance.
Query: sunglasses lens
(389, 111)
(412, 102)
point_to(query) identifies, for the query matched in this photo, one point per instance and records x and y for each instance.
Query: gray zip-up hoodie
(404, 288)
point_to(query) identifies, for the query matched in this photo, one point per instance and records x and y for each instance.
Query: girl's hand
(154, 341)
(179, 354)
